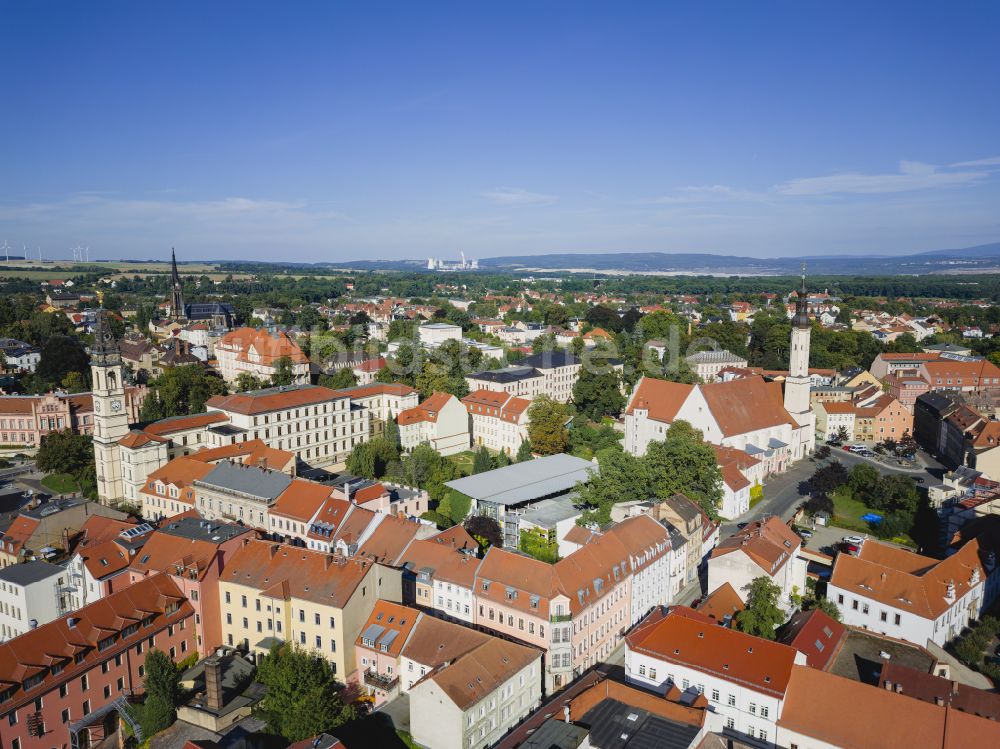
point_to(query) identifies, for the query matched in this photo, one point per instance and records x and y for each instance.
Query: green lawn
(60, 483)
(463, 461)
(847, 512)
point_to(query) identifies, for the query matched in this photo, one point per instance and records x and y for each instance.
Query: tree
(862, 481)
(762, 615)
(485, 530)
(59, 356)
(683, 463)
(162, 685)
(392, 434)
(825, 605)
(371, 459)
(283, 374)
(64, 452)
(598, 395)
(524, 452)
(482, 461)
(340, 380)
(621, 477)
(180, 391)
(246, 381)
(303, 697)
(74, 382)
(829, 478)
(842, 434)
(161, 678)
(547, 426)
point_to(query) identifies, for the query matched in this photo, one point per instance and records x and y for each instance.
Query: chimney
(566, 713)
(274, 550)
(899, 689)
(327, 561)
(888, 686)
(939, 701)
(213, 683)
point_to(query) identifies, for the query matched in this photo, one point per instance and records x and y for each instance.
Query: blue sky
(332, 131)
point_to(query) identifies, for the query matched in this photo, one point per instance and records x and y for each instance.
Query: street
(782, 495)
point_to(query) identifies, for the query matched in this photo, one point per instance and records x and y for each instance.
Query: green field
(60, 483)
(463, 461)
(847, 513)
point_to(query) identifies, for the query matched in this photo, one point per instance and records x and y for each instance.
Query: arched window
(112, 380)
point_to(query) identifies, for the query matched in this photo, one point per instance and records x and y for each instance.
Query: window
(715, 695)
(753, 708)
(764, 711)
(897, 619)
(840, 599)
(642, 670)
(730, 723)
(732, 700)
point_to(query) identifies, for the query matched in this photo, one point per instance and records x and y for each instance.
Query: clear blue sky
(329, 131)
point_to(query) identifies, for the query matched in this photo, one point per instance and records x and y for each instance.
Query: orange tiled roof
(267, 347)
(301, 500)
(770, 543)
(662, 399)
(426, 411)
(274, 399)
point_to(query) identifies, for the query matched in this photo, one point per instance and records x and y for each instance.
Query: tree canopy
(547, 426)
(303, 697)
(762, 615)
(180, 391)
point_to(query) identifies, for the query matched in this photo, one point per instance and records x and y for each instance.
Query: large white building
(909, 596)
(750, 413)
(433, 334)
(499, 420)
(257, 352)
(440, 421)
(743, 678)
(31, 594)
(708, 364)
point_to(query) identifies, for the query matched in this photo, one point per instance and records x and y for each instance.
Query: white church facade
(773, 424)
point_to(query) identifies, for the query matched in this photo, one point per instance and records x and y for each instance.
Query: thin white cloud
(912, 175)
(992, 161)
(518, 196)
(702, 194)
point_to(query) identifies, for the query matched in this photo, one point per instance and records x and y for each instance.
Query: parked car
(806, 534)
(856, 540)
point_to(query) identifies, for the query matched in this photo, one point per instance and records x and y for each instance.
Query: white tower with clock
(110, 417)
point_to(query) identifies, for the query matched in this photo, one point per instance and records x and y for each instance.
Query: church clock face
(116, 405)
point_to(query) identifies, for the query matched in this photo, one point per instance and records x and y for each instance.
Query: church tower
(797, 383)
(110, 416)
(176, 289)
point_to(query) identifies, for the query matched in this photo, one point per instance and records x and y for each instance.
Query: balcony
(380, 681)
(559, 618)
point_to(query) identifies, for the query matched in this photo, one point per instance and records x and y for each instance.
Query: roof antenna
(803, 277)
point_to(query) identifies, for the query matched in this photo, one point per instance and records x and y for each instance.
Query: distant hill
(972, 259)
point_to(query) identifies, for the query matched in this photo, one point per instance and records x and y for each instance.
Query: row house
(60, 682)
(764, 548)
(274, 593)
(26, 419)
(965, 376)
(499, 420)
(578, 609)
(104, 549)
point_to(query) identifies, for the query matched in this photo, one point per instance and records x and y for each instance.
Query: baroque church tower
(176, 289)
(797, 383)
(110, 416)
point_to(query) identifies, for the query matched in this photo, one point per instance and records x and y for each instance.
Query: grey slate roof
(29, 572)
(256, 482)
(508, 374)
(523, 482)
(615, 725)
(197, 529)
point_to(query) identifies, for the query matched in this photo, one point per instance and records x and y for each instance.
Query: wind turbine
(6, 250)
(87, 251)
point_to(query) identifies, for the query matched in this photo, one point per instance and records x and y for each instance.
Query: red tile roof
(770, 543)
(661, 398)
(57, 643)
(272, 399)
(426, 411)
(676, 637)
(816, 634)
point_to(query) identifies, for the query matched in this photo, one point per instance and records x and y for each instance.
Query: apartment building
(439, 575)
(743, 678)
(578, 609)
(192, 552)
(25, 419)
(239, 493)
(440, 421)
(384, 402)
(31, 594)
(499, 420)
(61, 679)
(272, 593)
(909, 596)
(99, 565)
(708, 364)
(474, 700)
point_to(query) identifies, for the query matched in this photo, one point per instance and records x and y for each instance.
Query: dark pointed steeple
(104, 351)
(176, 289)
(801, 318)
